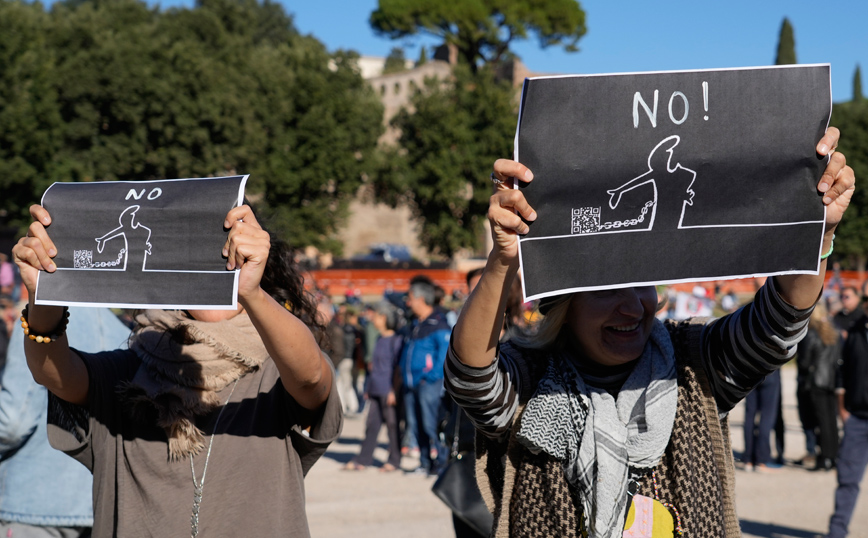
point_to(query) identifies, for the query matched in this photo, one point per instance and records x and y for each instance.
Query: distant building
(370, 222)
(396, 90)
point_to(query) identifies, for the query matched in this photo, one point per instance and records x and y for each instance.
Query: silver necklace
(198, 485)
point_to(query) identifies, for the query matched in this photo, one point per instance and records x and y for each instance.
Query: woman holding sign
(608, 421)
(211, 419)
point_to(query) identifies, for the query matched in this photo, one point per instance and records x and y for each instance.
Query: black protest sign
(142, 244)
(651, 178)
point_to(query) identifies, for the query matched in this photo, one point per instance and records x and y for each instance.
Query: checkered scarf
(600, 438)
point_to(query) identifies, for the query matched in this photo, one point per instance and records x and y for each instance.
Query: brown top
(255, 480)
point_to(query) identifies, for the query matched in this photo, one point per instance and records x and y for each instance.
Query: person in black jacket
(818, 357)
(853, 408)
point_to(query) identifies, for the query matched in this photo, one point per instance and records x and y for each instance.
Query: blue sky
(634, 35)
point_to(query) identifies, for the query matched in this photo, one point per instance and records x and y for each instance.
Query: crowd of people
(819, 383)
(389, 354)
(585, 407)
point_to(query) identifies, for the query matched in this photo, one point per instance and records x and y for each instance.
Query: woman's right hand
(54, 365)
(35, 251)
(507, 207)
(475, 336)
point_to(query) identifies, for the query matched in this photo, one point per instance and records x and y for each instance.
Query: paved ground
(791, 503)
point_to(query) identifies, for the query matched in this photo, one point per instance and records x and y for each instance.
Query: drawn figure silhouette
(136, 239)
(672, 186)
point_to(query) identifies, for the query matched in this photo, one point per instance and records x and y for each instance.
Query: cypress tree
(423, 57)
(395, 62)
(786, 45)
(857, 84)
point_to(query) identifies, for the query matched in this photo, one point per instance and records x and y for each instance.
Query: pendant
(199, 485)
(194, 519)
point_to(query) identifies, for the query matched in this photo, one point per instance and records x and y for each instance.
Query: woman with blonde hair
(818, 358)
(615, 414)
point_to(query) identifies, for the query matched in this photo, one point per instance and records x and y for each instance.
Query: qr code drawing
(586, 220)
(82, 259)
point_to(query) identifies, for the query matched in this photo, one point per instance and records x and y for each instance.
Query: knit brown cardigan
(696, 473)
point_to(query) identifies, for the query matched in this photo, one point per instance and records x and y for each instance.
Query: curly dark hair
(283, 281)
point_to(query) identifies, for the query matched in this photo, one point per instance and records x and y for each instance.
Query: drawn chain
(629, 222)
(114, 263)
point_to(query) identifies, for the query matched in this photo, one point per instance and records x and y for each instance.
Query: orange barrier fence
(750, 285)
(335, 282)
(373, 282)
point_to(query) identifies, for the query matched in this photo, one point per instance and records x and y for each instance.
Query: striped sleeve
(741, 349)
(488, 395)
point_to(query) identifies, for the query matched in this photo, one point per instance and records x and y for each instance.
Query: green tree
(456, 128)
(447, 145)
(857, 84)
(127, 92)
(786, 45)
(395, 61)
(483, 30)
(316, 164)
(423, 57)
(29, 116)
(851, 241)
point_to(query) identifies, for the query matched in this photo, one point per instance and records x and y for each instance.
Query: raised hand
(507, 207)
(34, 252)
(837, 183)
(246, 249)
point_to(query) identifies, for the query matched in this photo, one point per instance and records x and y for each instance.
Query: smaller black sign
(142, 244)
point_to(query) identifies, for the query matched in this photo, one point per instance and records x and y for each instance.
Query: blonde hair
(820, 322)
(544, 333)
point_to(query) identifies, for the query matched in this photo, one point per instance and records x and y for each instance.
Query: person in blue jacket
(44, 492)
(422, 373)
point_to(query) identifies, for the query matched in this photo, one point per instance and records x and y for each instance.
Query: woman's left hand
(246, 249)
(836, 186)
(838, 181)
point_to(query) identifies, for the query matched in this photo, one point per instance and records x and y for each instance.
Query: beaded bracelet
(56, 333)
(831, 248)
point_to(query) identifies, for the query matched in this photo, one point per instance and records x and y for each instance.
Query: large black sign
(667, 177)
(143, 244)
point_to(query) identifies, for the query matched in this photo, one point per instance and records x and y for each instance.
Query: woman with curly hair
(210, 420)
